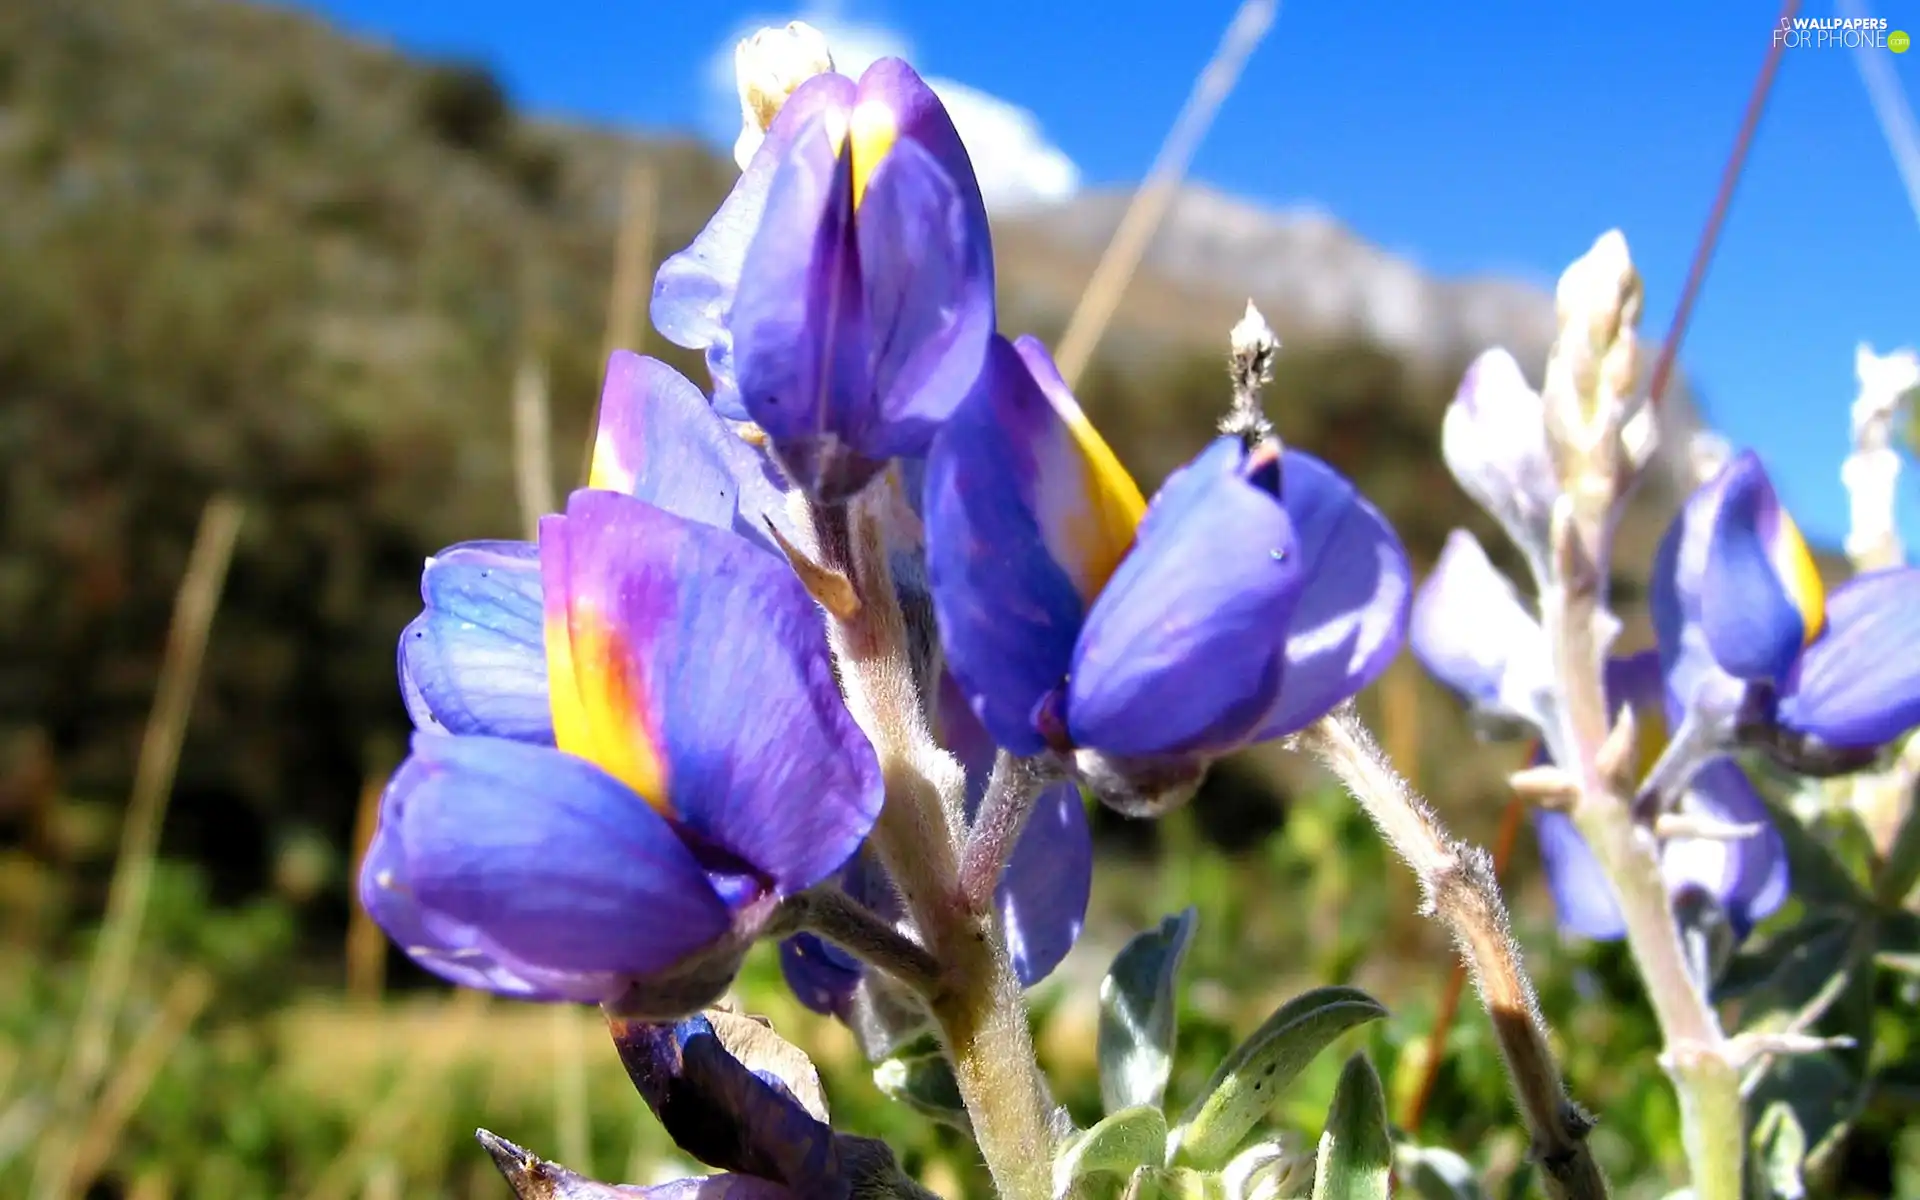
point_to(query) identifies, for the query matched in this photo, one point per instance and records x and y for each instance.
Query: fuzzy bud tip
(769, 67)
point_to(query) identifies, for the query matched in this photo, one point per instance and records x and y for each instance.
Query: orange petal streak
(599, 710)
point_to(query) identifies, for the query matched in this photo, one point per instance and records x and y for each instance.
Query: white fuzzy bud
(769, 67)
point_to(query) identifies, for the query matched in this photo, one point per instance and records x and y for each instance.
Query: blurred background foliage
(239, 252)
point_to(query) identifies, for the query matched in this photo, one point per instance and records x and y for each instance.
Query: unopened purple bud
(1494, 440)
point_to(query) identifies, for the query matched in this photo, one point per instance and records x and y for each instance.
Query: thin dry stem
(366, 949)
(138, 1068)
(107, 975)
(1122, 256)
(532, 450)
(1459, 890)
(1510, 821)
(571, 1126)
(1889, 108)
(632, 261)
(533, 471)
(632, 271)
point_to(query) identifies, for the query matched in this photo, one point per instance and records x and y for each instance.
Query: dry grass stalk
(138, 1068)
(1122, 256)
(366, 943)
(107, 975)
(632, 271)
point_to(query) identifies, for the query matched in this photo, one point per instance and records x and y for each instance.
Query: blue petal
(542, 859)
(927, 277)
(694, 290)
(660, 441)
(822, 976)
(1859, 684)
(475, 661)
(1184, 651)
(1351, 615)
(1750, 616)
(1695, 680)
(1470, 631)
(722, 654)
(923, 120)
(1008, 612)
(1581, 894)
(1748, 877)
(456, 952)
(803, 345)
(1043, 895)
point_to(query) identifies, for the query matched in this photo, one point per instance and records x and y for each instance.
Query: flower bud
(769, 66)
(1595, 361)
(1494, 440)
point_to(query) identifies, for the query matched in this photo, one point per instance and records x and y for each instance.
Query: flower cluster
(652, 738)
(1751, 652)
(631, 747)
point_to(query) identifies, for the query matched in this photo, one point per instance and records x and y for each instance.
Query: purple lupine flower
(475, 661)
(1470, 630)
(1749, 633)
(1745, 878)
(1257, 592)
(844, 291)
(635, 859)
(1471, 633)
(1042, 894)
(746, 1117)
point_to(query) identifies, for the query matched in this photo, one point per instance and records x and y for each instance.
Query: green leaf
(1822, 1091)
(1356, 1153)
(924, 1082)
(1243, 1089)
(1780, 1152)
(1161, 1183)
(1119, 1145)
(1138, 1003)
(1432, 1173)
(1785, 971)
(1821, 879)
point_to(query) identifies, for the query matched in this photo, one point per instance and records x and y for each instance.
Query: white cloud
(1016, 164)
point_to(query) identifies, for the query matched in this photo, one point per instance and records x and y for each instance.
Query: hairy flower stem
(1014, 788)
(1696, 1055)
(978, 1005)
(835, 916)
(1458, 888)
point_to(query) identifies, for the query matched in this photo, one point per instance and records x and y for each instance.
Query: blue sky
(1498, 136)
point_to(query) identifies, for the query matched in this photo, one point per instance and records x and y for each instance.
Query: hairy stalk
(1588, 396)
(979, 1006)
(1458, 889)
(1696, 1055)
(835, 916)
(1014, 788)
